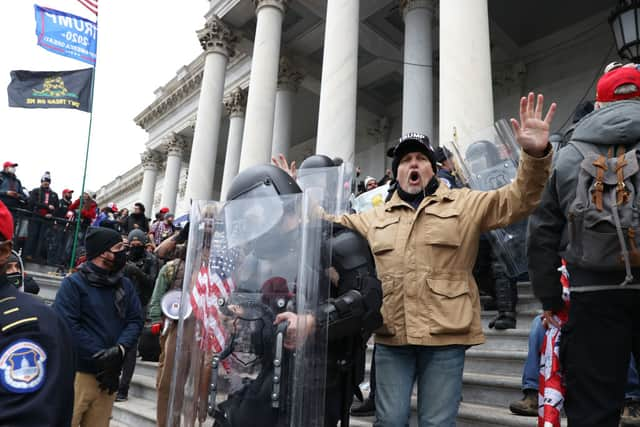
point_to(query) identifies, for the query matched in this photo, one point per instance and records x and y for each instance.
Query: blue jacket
(91, 314)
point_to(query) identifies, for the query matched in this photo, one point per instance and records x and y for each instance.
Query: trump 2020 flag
(66, 34)
(51, 89)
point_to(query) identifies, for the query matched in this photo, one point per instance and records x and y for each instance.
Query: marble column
(417, 94)
(466, 96)
(175, 147)
(258, 133)
(235, 104)
(218, 42)
(289, 79)
(150, 172)
(337, 117)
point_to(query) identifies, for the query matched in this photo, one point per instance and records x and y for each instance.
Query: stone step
(485, 360)
(490, 389)
(147, 369)
(135, 412)
(143, 387)
(509, 339)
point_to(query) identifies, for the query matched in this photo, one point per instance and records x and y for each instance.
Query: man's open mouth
(414, 178)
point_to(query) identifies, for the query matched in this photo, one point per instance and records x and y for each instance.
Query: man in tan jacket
(425, 241)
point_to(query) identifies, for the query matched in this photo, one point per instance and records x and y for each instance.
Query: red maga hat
(614, 79)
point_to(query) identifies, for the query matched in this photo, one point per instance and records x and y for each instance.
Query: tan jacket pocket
(450, 306)
(384, 235)
(388, 328)
(442, 227)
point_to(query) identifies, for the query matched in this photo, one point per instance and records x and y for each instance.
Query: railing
(45, 240)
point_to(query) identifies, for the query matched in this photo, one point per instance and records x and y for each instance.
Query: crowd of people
(423, 284)
(45, 223)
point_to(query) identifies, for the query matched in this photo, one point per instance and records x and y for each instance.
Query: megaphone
(170, 305)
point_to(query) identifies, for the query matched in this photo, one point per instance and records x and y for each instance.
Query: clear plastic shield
(251, 344)
(333, 184)
(488, 161)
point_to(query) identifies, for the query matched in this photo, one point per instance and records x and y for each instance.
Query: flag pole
(84, 174)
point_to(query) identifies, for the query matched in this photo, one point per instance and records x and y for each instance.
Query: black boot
(506, 298)
(504, 320)
(364, 409)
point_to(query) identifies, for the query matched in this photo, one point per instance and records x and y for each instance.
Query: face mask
(136, 252)
(14, 279)
(119, 260)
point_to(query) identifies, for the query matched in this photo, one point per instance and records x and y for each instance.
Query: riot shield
(488, 161)
(251, 343)
(331, 184)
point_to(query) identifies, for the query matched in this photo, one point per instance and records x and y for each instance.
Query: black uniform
(354, 315)
(351, 310)
(37, 366)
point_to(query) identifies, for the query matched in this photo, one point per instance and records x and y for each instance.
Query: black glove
(183, 235)
(109, 359)
(108, 381)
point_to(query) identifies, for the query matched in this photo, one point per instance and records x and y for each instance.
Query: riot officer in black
(352, 304)
(37, 364)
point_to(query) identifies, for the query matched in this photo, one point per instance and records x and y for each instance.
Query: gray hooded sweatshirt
(613, 125)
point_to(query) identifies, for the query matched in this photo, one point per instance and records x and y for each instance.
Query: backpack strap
(622, 195)
(598, 187)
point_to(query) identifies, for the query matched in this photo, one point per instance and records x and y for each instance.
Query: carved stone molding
(289, 77)
(236, 102)
(280, 4)
(149, 160)
(216, 37)
(408, 5)
(185, 90)
(175, 144)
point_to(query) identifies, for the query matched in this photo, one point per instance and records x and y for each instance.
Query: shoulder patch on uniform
(23, 367)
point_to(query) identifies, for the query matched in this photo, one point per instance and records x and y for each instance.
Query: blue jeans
(438, 372)
(632, 392)
(531, 371)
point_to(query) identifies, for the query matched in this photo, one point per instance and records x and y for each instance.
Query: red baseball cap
(164, 210)
(6, 223)
(66, 190)
(609, 82)
(9, 165)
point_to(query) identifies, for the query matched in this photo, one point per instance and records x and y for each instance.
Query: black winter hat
(99, 240)
(411, 143)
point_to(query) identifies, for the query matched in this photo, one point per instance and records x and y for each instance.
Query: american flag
(92, 5)
(214, 282)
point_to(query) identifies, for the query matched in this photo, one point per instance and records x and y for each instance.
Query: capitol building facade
(346, 78)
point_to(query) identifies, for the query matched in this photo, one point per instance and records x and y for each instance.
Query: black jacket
(616, 124)
(37, 198)
(34, 336)
(140, 220)
(9, 182)
(143, 273)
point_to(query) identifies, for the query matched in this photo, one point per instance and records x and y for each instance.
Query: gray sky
(141, 44)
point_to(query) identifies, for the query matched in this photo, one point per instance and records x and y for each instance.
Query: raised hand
(282, 163)
(532, 133)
